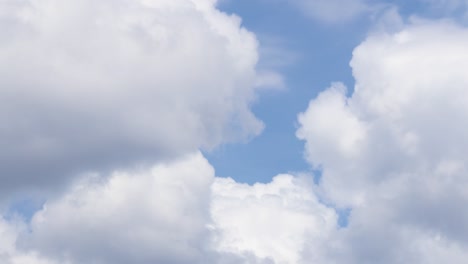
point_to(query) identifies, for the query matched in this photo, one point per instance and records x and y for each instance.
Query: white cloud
(173, 213)
(141, 217)
(154, 215)
(9, 254)
(88, 85)
(395, 151)
(275, 221)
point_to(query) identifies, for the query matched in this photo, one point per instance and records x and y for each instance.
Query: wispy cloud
(334, 11)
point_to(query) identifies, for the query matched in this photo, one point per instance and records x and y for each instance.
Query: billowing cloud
(395, 150)
(153, 215)
(175, 212)
(274, 221)
(89, 86)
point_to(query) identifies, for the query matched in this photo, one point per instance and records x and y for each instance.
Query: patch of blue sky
(343, 216)
(314, 55)
(24, 209)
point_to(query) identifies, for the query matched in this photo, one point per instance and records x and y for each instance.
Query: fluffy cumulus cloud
(152, 215)
(274, 221)
(149, 215)
(175, 212)
(395, 150)
(90, 86)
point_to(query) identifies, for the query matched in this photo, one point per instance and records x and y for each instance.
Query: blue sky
(318, 54)
(233, 131)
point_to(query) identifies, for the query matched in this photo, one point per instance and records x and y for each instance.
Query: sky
(233, 131)
(309, 56)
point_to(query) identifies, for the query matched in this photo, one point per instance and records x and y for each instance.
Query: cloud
(394, 151)
(9, 253)
(175, 212)
(273, 221)
(153, 215)
(93, 86)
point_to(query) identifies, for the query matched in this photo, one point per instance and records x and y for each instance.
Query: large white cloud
(395, 150)
(89, 85)
(151, 215)
(174, 212)
(146, 215)
(406, 113)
